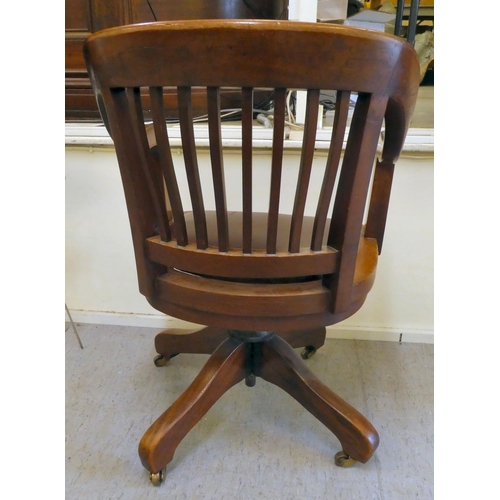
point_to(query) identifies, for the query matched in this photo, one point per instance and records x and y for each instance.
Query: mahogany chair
(262, 283)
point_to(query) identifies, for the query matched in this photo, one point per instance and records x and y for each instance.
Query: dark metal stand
(412, 21)
(73, 325)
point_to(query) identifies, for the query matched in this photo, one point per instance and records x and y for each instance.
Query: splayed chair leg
(175, 341)
(281, 366)
(224, 369)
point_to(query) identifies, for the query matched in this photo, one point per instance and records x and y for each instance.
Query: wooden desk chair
(257, 280)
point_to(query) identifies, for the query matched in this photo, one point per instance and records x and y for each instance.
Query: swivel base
(172, 342)
(274, 360)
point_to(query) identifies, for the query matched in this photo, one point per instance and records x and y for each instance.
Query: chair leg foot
(308, 352)
(281, 366)
(342, 459)
(157, 478)
(224, 369)
(311, 340)
(161, 360)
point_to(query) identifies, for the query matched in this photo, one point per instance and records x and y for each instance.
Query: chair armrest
(397, 120)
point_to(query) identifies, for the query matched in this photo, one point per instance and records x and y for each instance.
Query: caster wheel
(342, 459)
(157, 478)
(160, 360)
(308, 352)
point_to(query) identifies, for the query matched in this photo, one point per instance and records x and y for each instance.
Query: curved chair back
(130, 68)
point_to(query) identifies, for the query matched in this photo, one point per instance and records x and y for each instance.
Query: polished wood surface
(84, 17)
(225, 368)
(161, 10)
(243, 270)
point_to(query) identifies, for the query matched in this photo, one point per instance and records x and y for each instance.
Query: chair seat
(241, 267)
(259, 230)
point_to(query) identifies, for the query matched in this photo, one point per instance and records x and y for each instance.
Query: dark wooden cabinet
(84, 17)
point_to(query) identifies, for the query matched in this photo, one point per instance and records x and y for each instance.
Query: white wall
(302, 10)
(101, 284)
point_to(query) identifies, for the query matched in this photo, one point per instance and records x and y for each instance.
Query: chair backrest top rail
(251, 53)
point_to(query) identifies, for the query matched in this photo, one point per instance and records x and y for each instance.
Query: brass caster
(308, 352)
(342, 459)
(157, 478)
(160, 360)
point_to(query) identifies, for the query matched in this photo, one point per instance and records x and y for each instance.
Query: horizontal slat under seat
(243, 299)
(263, 299)
(235, 264)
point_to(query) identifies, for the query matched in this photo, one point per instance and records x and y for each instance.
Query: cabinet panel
(87, 16)
(77, 15)
(161, 10)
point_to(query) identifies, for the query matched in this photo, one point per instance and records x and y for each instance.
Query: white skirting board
(332, 332)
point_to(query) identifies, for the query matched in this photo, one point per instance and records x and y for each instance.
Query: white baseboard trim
(332, 332)
(377, 333)
(128, 319)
